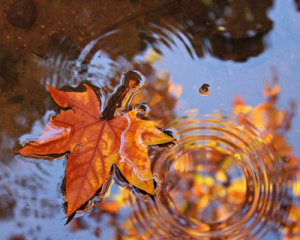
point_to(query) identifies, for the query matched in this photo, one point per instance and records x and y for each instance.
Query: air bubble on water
(143, 109)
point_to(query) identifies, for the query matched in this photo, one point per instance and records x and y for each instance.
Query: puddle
(234, 170)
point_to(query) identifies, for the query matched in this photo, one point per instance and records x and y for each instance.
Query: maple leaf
(95, 144)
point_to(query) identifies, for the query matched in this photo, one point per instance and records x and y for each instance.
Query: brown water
(234, 172)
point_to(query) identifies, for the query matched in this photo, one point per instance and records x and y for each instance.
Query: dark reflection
(8, 73)
(298, 4)
(219, 27)
(239, 28)
(21, 13)
(6, 207)
(19, 109)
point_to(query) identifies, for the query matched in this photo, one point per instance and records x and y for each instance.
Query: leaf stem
(131, 83)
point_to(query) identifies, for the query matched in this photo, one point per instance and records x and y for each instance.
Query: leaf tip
(17, 151)
(52, 90)
(49, 87)
(20, 150)
(86, 86)
(70, 218)
(70, 211)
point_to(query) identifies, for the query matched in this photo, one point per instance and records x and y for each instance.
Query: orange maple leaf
(95, 144)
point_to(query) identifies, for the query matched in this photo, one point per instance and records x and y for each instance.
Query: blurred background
(224, 75)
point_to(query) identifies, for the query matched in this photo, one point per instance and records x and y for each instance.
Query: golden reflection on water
(226, 178)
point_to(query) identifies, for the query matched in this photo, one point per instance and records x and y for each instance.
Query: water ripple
(220, 181)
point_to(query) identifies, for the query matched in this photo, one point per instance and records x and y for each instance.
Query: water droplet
(143, 109)
(204, 89)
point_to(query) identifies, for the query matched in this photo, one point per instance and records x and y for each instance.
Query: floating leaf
(95, 142)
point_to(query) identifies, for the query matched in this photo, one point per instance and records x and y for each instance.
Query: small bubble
(133, 79)
(204, 89)
(143, 109)
(221, 28)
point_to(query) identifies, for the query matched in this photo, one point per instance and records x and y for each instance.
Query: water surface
(227, 177)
